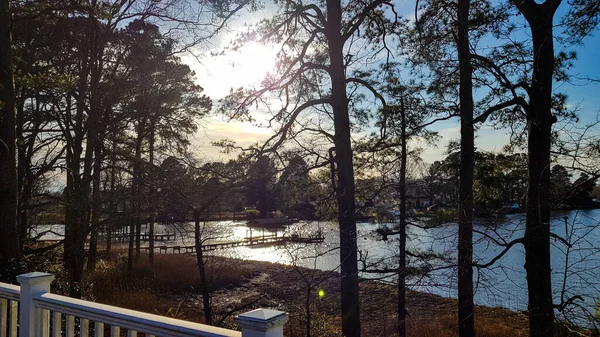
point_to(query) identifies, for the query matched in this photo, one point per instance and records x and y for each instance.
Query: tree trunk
(137, 185)
(23, 168)
(112, 203)
(201, 268)
(539, 123)
(9, 236)
(153, 197)
(95, 125)
(79, 175)
(93, 250)
(466, 320)
(307, 309)
(345, 174)
(151, 240)
(26, 143)
(76, 203)
(262, 205)
(402, 225)
(96, 208)
(131, 245)
(74, 252)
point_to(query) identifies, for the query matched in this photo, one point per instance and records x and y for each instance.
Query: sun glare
(242, 67)
(254, 61)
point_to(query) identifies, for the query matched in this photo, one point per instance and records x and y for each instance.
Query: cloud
(215, 128)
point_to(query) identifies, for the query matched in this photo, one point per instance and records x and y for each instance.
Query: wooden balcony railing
(30, 310)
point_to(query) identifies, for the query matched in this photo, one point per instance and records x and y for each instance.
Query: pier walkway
(261, 241)
(116, 237)
(248, 242)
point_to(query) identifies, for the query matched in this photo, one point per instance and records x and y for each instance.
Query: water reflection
(502, 284)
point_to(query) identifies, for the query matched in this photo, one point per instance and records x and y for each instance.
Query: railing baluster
(70, 326)
(14, 315)
(84, 328)
(99, 329)
(56, 324)
(45, 322)
(131, 333)
(3, 317)
(115, 331)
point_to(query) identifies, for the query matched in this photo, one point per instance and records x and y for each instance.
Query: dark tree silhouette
(539, 123)
(466, 312)
(9, 238)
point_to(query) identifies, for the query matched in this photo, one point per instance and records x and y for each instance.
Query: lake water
(576, 270)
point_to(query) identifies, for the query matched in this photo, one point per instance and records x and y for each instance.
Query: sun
(254, 60)
(243, 67)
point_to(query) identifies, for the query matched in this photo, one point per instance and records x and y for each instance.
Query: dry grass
(322, 324)
(447, 326)
(325, 325)
(170, 287)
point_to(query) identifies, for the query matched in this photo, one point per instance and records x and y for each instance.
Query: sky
(249, 64)
(231, 69)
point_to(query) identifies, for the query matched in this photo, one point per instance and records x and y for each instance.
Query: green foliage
(160, 93)
(48, 261)
(566, 193)
(560, 183)
(184, 188)
(499, 180)
(295, 189)
(581, 20)
(259, 189)
(174, 312)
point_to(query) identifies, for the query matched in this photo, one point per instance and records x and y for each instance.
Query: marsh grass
(169, 288)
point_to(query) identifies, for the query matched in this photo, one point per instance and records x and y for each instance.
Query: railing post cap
(262, 319)
(35, 278)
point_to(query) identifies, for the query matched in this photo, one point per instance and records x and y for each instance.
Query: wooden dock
(120, 237)
(254, 242)
(158, 237)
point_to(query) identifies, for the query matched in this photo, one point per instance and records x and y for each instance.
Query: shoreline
(378, 299)
(252, 284)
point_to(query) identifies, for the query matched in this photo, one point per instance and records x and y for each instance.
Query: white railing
(9, 309)
(40, 313)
